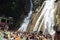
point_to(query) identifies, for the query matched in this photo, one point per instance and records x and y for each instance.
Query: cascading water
(40, 17)
(27, 19)
(49, 17)
(48, 13)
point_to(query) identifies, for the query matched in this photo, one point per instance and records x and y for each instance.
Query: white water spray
(49, 18)
(40, 17)
(48, 13)
(27, 19)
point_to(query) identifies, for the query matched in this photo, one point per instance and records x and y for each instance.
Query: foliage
(37, 3)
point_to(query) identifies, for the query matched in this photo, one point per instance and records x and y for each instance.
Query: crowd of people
(10, 35)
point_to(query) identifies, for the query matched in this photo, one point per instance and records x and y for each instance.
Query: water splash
(48, 13)
(49, 18)
(27, 19)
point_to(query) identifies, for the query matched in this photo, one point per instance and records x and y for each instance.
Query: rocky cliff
(37, 13)
(18, 9)
(58, 17)
(36, 5)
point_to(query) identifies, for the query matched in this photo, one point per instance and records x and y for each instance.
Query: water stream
(27, 19)
(48, 19)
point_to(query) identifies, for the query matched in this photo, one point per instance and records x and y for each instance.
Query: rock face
(36, 4)
(37, 10)
(58, 17)
(36, 15)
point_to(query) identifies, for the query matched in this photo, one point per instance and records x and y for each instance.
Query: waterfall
(49, 19)
(27, 19)
(40, 17)
(48, 16)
